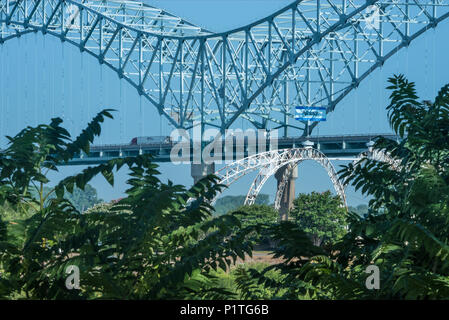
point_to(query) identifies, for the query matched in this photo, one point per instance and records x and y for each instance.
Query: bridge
(347, 147)
(309, 53)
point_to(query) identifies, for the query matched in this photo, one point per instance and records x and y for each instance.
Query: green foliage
(416, 189)
(160, 242)
(232, 284)
(406, 230)
(295, 247)
(231, 203)
(81, 199)
(163, 241)
(361, 209)
(320, 215)
(257, 214)
(251, 288)
(34, 152)
(260, 215)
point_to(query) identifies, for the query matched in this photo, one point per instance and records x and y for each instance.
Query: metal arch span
(380, 156)
(311, 52)
(291, 160)
(268, 163)
(373, 154)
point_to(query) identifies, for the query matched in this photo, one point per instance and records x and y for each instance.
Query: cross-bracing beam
(310, 53)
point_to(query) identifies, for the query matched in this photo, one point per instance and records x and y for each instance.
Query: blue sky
(40, 78)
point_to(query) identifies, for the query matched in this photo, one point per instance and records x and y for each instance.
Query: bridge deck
(337, 147)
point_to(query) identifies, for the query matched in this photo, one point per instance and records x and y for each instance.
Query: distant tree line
(81, 199)
(230, 203)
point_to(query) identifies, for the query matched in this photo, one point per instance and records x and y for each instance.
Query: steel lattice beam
(312, 52)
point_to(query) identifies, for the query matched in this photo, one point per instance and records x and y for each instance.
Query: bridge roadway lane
(345, 147)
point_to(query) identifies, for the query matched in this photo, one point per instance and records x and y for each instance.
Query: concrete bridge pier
(289, 192)
(199, 171)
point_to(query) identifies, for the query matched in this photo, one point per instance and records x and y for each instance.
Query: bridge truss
(310, 53)
(268, 163)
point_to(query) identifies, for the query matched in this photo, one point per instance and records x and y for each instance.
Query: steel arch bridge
(312, 52)
(268, 163)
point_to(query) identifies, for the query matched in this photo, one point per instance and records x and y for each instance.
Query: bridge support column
(199, 171)
(289, 192)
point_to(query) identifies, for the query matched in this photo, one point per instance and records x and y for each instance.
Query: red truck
(150, 140)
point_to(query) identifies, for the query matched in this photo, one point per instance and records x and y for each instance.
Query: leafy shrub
(159, 242)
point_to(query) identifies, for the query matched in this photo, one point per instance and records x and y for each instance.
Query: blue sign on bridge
(310, 113)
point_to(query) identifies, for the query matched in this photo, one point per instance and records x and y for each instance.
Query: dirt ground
(260, 257)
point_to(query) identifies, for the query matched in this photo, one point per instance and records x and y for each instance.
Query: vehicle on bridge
(151, 140)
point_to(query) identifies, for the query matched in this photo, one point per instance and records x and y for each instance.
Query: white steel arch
(268, 163)
(297, 156)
